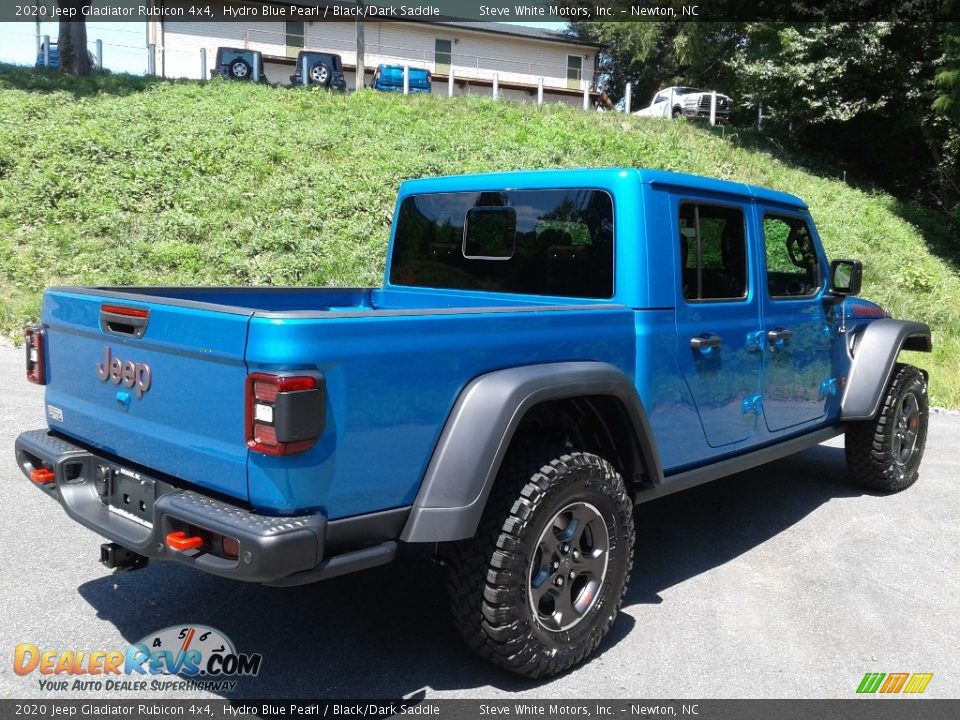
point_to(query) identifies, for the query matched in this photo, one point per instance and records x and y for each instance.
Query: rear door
(798, 337)
(165, 391)
(718, 316)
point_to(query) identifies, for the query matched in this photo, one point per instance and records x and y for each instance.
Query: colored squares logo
(893, 683)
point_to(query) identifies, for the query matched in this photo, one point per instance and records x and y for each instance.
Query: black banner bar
(488, 10)
(873, 708)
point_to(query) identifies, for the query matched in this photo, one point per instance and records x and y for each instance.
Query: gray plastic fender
(876, 354)
(481, 425)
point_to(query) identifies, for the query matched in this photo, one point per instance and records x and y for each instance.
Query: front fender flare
(480, 427)
(876, 354)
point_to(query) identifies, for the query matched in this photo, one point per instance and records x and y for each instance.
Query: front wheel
(884, 454)
(539, 586)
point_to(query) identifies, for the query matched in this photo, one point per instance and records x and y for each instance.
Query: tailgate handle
(127, 321)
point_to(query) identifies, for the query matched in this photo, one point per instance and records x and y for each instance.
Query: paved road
(780, 582)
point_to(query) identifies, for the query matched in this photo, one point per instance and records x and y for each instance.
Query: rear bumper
(274, 550)
(399, 89)
(338, 84)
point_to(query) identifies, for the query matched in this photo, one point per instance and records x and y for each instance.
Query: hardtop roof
(522, 179)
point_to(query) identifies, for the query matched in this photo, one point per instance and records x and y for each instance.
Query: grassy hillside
(118, 180)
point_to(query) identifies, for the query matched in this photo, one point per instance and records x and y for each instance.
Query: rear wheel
(240, 70)
(884, 454)
(539, 586)
(320, 74)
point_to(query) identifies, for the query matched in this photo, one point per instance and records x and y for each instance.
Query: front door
(718, 318)
(798, 338)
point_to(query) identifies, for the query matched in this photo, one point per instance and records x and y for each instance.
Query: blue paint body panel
(389, 78)
(394, 359)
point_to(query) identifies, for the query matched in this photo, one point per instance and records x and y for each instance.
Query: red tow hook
(42, 476)
(179, 540)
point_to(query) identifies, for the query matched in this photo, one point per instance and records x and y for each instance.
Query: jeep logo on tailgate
(129, 373)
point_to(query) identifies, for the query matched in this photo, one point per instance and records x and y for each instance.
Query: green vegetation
(121, 180)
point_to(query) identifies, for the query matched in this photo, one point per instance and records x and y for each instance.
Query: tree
(72, 38)
(816, 73)
(948, 74)
(653, 55)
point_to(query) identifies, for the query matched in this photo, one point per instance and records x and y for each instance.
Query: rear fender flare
(874, 358)
(481, 426)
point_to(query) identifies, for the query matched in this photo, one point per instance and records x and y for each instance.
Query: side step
(737, 464)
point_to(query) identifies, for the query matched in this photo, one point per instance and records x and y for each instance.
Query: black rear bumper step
(271, 548)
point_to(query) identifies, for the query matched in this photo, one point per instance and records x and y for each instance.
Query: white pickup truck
(672, 102)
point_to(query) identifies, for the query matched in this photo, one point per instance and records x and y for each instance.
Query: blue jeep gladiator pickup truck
(547, 350)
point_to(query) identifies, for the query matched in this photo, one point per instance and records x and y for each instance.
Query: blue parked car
(389, 78)
(55, 57)
(547, 350)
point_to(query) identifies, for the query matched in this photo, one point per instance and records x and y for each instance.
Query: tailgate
(176, 401)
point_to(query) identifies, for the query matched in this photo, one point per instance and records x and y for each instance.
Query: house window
(574, 71)
(294, 38)
(442, 56)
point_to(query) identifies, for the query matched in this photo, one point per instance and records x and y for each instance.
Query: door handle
(704, 342)
(779, 335)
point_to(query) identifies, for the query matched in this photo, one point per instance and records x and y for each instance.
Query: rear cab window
(529, 242)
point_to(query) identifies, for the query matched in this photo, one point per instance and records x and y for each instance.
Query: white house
(474, 51)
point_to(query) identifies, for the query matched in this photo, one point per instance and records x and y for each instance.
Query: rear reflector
(230, 547)
(42, 476)
(179, 540)
(34, 339)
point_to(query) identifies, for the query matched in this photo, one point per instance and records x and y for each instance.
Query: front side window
(793, 267)
(713, 252)
(531, 242)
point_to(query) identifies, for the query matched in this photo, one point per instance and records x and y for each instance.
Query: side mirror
(846, 277)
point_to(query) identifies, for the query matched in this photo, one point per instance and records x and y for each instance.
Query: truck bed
(393, 364)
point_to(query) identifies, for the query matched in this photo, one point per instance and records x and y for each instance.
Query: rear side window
(713, 252)
(529, 242)
(793, 268)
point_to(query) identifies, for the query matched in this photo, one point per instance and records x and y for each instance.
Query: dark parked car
(238, 63)
(324, 69)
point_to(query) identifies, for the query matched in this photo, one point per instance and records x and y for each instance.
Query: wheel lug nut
(564, 548)
(572, 574)
(556, 564)
(558, 582)
(576, 554)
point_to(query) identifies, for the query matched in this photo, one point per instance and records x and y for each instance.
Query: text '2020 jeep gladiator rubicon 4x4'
(548, 349)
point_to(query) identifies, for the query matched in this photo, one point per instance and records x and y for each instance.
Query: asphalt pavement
(784, 581)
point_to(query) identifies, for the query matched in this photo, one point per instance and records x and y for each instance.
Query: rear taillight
(34, 338)
(285, 413)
